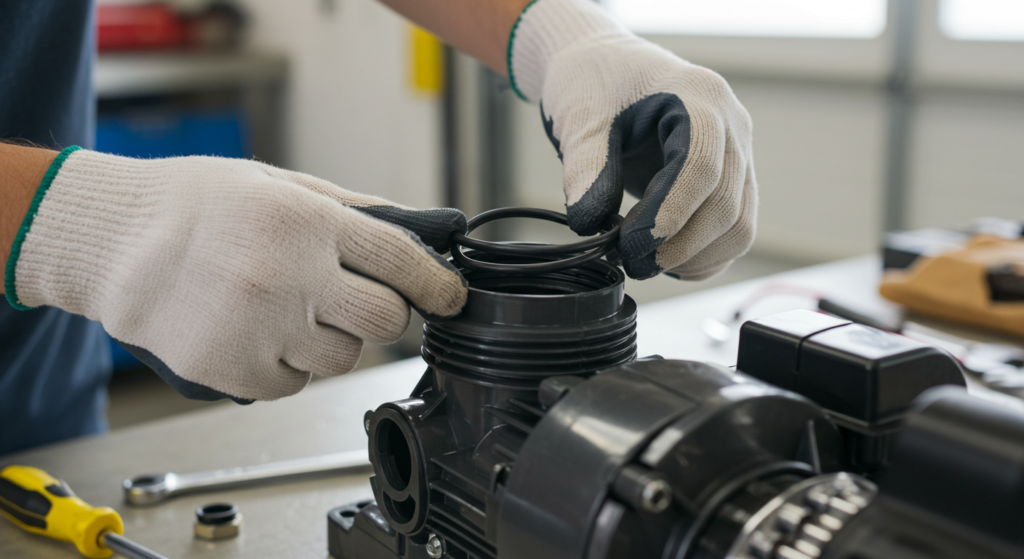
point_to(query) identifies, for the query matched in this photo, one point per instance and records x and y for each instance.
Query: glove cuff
(10, 286)
(89, 209)
(546, 27)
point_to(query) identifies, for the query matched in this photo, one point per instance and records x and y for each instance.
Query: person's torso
(54, 366)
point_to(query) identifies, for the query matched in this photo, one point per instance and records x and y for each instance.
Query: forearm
(480, 28)
(21, 171)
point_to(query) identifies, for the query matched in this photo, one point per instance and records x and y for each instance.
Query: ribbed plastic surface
(524, 329)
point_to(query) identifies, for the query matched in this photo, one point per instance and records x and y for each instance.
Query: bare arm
(21, 171)
(479, 28)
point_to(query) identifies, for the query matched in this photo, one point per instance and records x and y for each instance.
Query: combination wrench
(150, 489)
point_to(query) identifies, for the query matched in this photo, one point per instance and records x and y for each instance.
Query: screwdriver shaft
(128, 548)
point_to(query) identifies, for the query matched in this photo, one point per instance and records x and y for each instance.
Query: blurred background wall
(352, 116)
(869, 115)
(825, 81)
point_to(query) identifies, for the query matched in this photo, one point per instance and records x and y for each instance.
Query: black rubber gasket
(577, 253)
(216, 513)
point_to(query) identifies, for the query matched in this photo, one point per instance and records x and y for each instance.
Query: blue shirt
(54, 366)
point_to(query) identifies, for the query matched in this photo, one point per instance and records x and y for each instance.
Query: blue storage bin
(166, 133)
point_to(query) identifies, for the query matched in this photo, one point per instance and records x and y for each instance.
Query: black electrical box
(864, 377)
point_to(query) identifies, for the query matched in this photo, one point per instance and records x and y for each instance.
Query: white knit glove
(623, 112)
(229, 277)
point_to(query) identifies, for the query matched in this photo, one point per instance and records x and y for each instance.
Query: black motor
(536, 433)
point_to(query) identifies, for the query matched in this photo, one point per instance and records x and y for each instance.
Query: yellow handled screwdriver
(44, 505)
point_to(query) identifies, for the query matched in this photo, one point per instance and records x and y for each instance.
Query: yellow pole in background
(426, 62)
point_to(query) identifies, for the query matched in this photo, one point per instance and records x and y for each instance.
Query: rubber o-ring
(216, 513)
(598, 245)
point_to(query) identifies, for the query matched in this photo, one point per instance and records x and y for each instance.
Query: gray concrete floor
(140, 396)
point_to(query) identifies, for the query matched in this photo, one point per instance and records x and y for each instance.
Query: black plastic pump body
(444, 455)
(536, 433)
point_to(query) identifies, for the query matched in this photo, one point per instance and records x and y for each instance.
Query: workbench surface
(290, 519)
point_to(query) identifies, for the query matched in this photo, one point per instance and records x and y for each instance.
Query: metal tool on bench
(41, 504)
(154, 488)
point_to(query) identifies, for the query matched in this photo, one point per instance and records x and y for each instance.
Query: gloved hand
(229, 277)
(623, 112)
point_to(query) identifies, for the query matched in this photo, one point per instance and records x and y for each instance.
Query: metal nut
(656, 496)
(219, 531)
(217, 521)
(435, 546)
(790, 517)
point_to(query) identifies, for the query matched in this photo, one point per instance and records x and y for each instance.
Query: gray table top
(289, 519)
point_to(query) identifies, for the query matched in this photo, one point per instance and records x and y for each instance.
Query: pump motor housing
(537, 433)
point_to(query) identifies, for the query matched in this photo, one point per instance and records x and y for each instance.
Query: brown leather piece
(953, 286)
